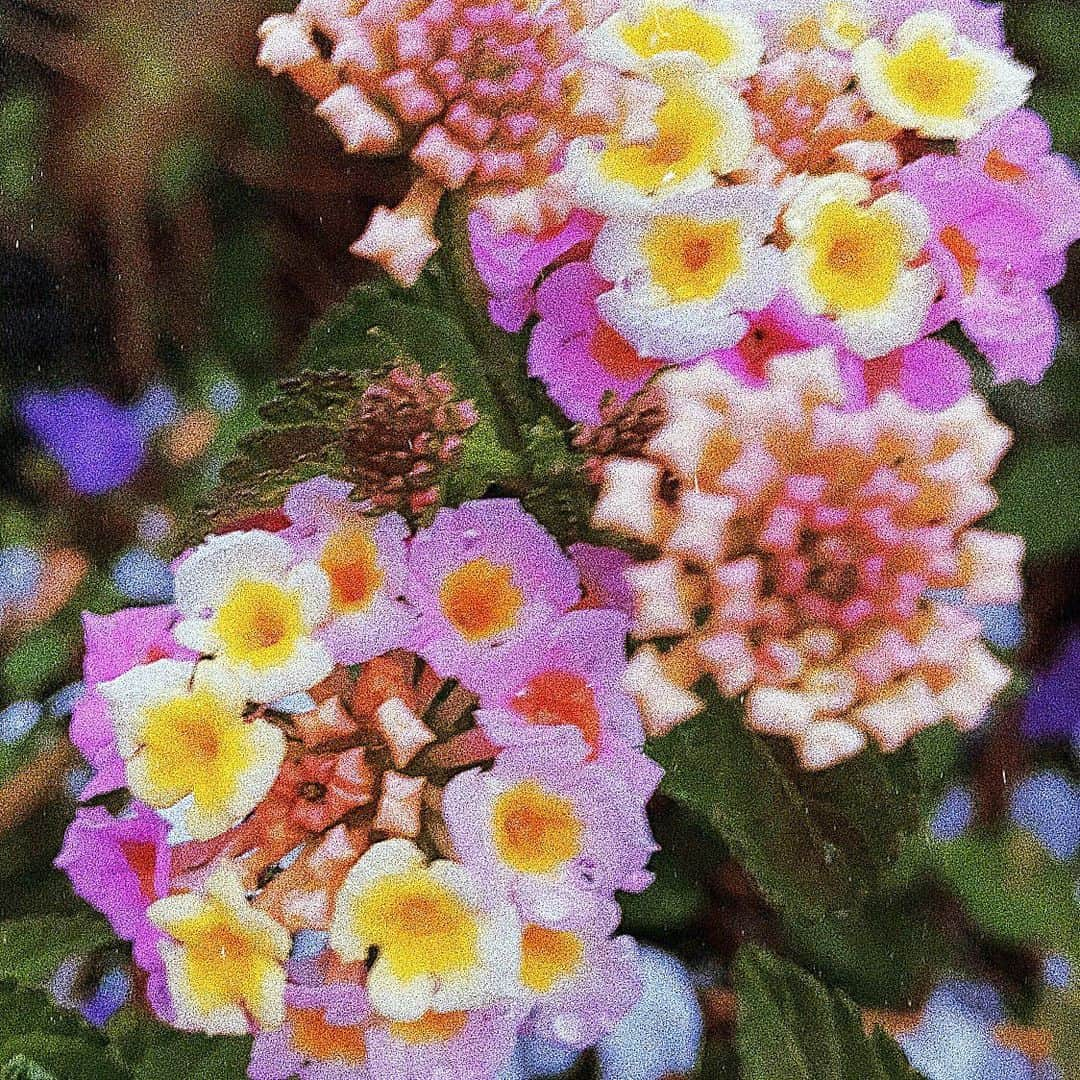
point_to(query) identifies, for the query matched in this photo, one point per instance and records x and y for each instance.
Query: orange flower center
(557, 697)
(481, 600)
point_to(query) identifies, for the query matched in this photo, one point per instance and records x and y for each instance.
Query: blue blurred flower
(537, 1058)
(20, 573)
(1050, 712)
(1047, 804)
(63, 702)
(99, 444)
(18, 720)
(1057, 971)
(955, 1039)
(660, 1037)
(953, 815)
(662, 1034)
(1002, 624)
(225, 395)
(143, 577)
(157, 408)
(97, 1000)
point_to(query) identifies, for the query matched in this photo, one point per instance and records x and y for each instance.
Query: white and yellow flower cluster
(761, 167)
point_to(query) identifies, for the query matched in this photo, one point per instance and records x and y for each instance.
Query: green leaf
(484, 462)
(300, 438)
(61, 1043)
(174, 1054)
(821, 847)
(381, 323)
(791, 1027)
(21, 1067)
(32, 948)
(816, 844)
(1039, 487)
(1059, 1014)
(1014, 889)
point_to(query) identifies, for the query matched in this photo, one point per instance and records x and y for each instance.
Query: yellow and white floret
(183, 734)
(805, 25)
(247, 605)
(851, 257)
(683, 273)
(224, 960)
(701, 128)
(644, 35)
(938, 82)
(440, 944)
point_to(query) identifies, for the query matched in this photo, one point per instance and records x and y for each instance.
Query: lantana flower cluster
(380, 790)
(482, 96)
(850, 173)
(817, 558)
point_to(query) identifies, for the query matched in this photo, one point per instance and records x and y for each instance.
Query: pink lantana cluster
(381, 790)
(814, 557)
(851, 173)
(480, 95)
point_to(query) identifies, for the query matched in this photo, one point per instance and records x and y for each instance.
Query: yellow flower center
(194, 744)
(535, 831)
(857, 256)
(481, 600)
(926, 77)
(548, 957)
(690, 259)
(351, 562)
(259, 623)
(226, 962)
(418, 925)
(320, 1040)
(687, 128)
(846, 22)
(432, 1027)
(679, 29)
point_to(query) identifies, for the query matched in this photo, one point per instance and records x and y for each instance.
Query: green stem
(501, 365)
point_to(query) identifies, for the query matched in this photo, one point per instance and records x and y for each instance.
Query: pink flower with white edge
(989, 252)
(465, 1044)
(556, 832)
(572, 680)
(121, 865)
(801, 550)
(324, 1036)
(577, 355)
(489, 583)
(510, 263)
(582, 978)
(928, 373)
(114, 644)
(365, 560)
(247, 603)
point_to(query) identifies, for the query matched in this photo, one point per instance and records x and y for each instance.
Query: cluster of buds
(481, 95)
(382, 790)
(404, 431)
(624, 429)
